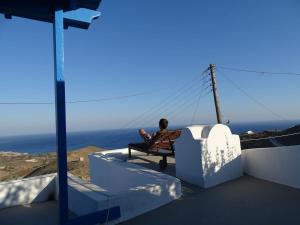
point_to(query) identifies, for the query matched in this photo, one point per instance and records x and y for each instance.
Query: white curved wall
(207, 155)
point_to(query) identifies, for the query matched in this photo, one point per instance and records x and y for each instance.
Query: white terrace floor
(240, 202)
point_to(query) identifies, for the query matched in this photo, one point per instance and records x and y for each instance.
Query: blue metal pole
(60, 106)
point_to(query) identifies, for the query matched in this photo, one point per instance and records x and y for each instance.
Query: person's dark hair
(163, 123)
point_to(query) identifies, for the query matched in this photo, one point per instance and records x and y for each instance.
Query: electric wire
(158, 109)
(265, 138)
(183, 89)
(184, 106)
(258, 72)
(152, 111)
(87, 100)
(176, 102)
(262, 105)
(197, 100)
(195, 111)
(166, 111)
(163, 107)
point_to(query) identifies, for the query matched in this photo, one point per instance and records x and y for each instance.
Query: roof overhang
(77, 13)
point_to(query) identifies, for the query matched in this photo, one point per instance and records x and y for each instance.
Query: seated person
(163, 124)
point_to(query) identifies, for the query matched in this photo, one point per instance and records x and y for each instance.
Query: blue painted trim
(61, 137)
(42, 10)
(82, 17)
(99, 217)
(60, 107)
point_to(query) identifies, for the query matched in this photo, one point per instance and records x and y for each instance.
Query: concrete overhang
(43, 10)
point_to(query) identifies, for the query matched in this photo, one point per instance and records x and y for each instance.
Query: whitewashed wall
(134, 188)
(84, 197)
(29, 190)
(278, 164)
(208, 155)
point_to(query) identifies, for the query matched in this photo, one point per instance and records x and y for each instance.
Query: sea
(111, 139)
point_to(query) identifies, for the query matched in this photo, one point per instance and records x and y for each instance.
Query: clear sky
(154, 46)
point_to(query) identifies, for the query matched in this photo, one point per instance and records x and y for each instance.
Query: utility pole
(215, 92)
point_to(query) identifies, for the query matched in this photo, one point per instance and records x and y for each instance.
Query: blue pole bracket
(82, 17)
(74, 13)
(77, 13)
(60, 106)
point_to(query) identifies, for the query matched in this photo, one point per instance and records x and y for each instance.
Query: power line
(177, 98)
(266, 138)
(252, 98)
(165, 108)
(188, 103)
(183, 89)
(116, 97)
(184, 106)
(191, 103)
(173, 103)
(259, 72)
(87, 100)
(196, 109)
(162, 105)
(181, 96)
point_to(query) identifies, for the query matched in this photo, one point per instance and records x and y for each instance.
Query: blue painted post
(60, 106)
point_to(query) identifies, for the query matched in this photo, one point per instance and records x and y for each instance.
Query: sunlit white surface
(134, 188)
(208, 155)
(278, 164)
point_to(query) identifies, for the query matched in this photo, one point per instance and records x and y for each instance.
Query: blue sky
(139, 46)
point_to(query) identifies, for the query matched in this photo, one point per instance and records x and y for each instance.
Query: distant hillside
(292, 139)
(17, 165)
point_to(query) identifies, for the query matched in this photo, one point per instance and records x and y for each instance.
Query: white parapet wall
(25, 191)
(278, 164)
(208, 155)
(85, 197)
(135, 189)
(114, 183)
